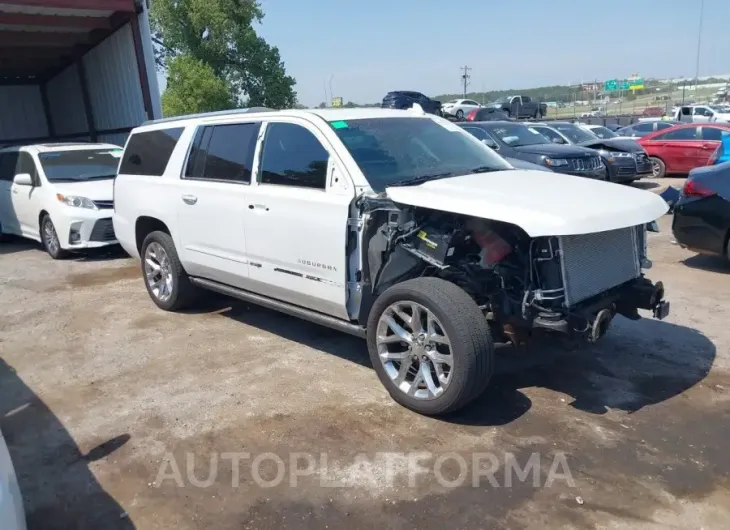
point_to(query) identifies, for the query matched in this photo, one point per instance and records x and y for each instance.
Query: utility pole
(699, 44)
(465, 78)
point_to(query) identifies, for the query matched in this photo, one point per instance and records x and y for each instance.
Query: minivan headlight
(76, 201)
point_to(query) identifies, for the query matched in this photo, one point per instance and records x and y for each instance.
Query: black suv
(404, 99)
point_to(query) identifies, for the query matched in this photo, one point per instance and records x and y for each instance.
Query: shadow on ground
(59, 491)
(708, 263)
(637, 364)
(13, 244)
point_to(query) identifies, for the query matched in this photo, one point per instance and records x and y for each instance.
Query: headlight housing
(556, 162)
(76, 201)
(613, 155)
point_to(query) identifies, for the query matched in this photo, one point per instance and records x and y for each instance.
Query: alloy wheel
(414, 350)
(51, 238)
(158, 272)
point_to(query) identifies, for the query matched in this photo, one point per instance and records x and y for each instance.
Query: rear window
(80, 164)
(147, 153)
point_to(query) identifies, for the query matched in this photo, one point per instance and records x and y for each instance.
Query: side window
(644, 127)
(476, 132)
(661, 125)
(8, 162)
(292, 156)
(689, 133)
(147, 153)
(686, 111)
(526, 99)
(223, 152)
(27, 165)
(548, 133)
(713, 134)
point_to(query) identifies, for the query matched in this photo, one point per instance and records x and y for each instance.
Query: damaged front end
(571, 284)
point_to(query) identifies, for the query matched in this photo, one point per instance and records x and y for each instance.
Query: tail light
(692, 188)
(472, 115)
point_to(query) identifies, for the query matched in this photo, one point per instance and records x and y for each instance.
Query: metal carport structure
(75, 70)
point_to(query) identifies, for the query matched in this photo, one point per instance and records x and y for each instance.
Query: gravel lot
(100, 391)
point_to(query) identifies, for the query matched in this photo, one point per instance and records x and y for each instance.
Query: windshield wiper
(482, 169)
(420, 180)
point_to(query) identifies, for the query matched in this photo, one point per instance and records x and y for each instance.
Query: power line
(465, 78)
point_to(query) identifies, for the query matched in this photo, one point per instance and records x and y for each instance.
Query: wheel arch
(144, 226)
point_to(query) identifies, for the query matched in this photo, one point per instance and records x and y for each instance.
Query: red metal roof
(40, 37)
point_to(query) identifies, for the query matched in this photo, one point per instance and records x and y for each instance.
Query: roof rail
(210, 114)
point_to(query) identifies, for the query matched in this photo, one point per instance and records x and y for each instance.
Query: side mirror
(23, 179)
(652, 227)
(558, 141)
(490, 143)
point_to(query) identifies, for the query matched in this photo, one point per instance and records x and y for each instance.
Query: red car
(682, 148)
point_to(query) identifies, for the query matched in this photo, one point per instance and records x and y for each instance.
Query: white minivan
(60, 195)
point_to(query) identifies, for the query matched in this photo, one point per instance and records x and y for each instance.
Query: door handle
(15, 190)
(258, 207)
(189, 199)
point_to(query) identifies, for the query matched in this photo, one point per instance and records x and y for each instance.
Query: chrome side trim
(277, 305)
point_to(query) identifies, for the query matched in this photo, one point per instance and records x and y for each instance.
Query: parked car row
(565, 148)
(396, 226)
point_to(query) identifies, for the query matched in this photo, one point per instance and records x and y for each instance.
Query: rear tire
(449, 314)
(49, 239)
(659, 168)
(164, 277)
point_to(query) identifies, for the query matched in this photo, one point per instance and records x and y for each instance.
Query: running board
(283, 307)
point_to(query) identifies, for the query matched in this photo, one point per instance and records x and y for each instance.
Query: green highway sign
(623, 85)
(610, 85)
(636, 83)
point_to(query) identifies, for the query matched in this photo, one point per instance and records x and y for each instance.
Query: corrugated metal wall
(117, 139)
(66, 105)
(114, 86)
(21, 112)
(115, 95)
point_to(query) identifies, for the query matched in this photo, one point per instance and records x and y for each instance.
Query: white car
(12, 516)
(59, 194)
(459, 108)
(392, 225)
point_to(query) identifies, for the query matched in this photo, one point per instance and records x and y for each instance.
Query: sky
(368, 48)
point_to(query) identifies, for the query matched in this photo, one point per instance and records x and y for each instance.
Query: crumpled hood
(540, 203)
(619, 144)
(96, 190)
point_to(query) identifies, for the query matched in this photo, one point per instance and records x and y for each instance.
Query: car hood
(555, 150)
(522, 164)
(540, 203)
(96, 190)
(618, 144)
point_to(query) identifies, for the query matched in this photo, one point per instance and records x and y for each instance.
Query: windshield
(503, 99)
(517, 135)
(393, 150)
(80, 165)
(603, 132)
(574, 133)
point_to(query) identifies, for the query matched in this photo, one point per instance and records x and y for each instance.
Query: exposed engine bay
(520, 283)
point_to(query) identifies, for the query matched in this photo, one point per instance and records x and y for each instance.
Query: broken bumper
(592, 317)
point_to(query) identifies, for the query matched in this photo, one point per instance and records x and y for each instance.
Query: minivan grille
(103, 230)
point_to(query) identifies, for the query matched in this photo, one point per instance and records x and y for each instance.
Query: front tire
(658, 167)
(459, 114)
(165, 278)
(430, 345)
(49, 238)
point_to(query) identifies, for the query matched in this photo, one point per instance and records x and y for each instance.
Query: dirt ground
(103, 397)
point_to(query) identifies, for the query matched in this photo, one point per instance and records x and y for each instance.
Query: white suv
(393, 225)
(59, 194)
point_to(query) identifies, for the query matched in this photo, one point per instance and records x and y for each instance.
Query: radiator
(594, 263)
